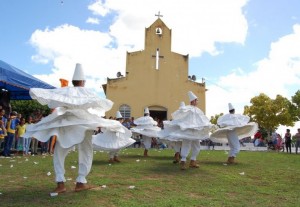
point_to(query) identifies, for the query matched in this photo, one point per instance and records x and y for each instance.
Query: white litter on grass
(12, 160)
(48, 173)
(242, 173)
(0, 193)
(224, 163)
(0, 165)
(131, 187)
(11, 166)
(36, 163)
(25, 177)
(225, 152)
(137, 160)
(69, 179)
(26, 160)
(103, 186)
(109, 164)
(73, 167)
(53, 194)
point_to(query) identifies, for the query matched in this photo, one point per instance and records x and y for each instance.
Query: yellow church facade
(155, 77)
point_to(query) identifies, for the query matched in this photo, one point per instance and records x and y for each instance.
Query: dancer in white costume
(113, 141)
(148, 128)
(190, 126)
(175, 144)
(76, 115)
(233, 128)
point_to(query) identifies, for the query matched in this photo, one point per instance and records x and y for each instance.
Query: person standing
(77, 114)
(113, 142)
(3, 123)
(288, 141)
(20, 131)
(297, 136)
(233, 128)
(27, 140)
(146, 127)
(190, 126)
(11, 131)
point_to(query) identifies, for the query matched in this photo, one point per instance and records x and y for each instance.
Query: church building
(156, 77)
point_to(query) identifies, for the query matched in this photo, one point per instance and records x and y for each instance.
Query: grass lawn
(259, 179)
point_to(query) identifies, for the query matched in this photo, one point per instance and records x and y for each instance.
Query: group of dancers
(78, 113)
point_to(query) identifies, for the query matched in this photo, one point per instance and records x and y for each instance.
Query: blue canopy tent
(17, 83)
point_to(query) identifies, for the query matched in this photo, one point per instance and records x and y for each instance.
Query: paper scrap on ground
(36, 163)
(103, 186)
(48, 173)
(73, 167)
(131, 187)
(242, 173)
(53, 194)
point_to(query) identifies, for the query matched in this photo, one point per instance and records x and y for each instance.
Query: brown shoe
(193, 164)
(176, 157)
(145, 153)
(230, 160)
(82, 186)
(116, 159)
(182, 165)
(60, 188)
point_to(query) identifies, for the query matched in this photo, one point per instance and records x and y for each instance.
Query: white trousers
(186, 146)
(113, 153)
(234, 143)
(147, 142)
(177, 146)
(85, 159)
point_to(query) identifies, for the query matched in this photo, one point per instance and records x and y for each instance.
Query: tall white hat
(78, 73)
(182, 104)
(119, 115)
(146, 111)
(230, 106)
(192, 96)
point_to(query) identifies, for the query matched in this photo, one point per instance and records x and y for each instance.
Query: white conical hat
(182, 104)
(119, 115)
(230, 106)
(192, 96)
(78, 73)
(146, 111)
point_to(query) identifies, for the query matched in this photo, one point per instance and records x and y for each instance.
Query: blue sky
(241, 48)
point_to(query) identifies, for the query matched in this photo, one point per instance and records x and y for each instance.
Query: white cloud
(196, 27)
(275, 74)
(92, 20)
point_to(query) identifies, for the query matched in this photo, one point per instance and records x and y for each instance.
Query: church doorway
(158, 112)
(162, 115)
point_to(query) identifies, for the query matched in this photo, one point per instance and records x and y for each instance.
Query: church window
(125, 111)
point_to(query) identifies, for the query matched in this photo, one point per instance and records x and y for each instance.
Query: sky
(240, 48)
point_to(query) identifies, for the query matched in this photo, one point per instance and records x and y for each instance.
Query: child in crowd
(20, 131)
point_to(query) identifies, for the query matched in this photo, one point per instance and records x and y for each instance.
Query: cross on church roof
(158, 15)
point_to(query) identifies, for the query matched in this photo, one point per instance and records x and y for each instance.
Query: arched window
(125, 111)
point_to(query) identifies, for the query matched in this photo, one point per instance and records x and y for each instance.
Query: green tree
(214, 119)
(28, 107)
(270, 113)
(295, 108)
